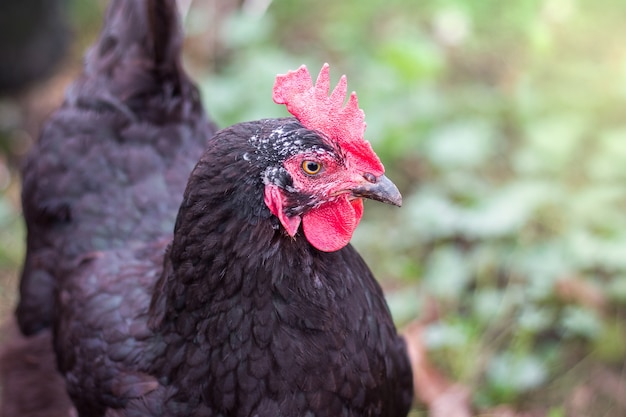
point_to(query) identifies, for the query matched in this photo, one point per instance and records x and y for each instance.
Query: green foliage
(11, 234)
(12, 241)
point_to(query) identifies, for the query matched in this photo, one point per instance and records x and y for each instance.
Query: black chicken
(111, 164)
(240, 318)
(244, 312)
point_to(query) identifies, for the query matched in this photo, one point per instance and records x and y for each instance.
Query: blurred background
(502, 123)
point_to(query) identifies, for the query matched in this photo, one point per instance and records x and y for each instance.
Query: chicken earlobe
(275, 201)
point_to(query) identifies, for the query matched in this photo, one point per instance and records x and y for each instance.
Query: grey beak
(379, 189)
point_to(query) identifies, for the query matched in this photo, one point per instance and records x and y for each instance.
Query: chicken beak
(379, 189)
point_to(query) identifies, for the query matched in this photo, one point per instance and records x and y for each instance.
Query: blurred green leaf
(511, 375)
(610, 344)
(404, 305)
(466, 144)
(414, 59)
(583, 322)
(440, 335)
(447, 273)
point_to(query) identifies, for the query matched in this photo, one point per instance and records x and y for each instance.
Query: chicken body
(111, 164)
(239, 319)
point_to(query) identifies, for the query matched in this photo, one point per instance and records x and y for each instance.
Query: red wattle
(330, 227)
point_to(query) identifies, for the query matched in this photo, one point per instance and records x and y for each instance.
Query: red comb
(316, 110)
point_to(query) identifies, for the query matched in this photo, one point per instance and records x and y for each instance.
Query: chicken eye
(311, 167)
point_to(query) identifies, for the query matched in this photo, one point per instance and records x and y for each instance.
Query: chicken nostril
(370, 177)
